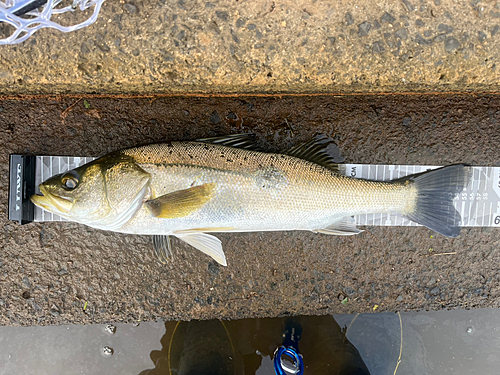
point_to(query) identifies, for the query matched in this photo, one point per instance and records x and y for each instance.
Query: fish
(191, 189)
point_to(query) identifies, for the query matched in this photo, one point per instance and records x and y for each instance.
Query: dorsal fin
(320, 150)
(244, 141)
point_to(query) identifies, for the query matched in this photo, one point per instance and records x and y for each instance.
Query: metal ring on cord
(281, 368)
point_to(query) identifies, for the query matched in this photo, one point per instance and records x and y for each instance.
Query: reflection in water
(242, 346)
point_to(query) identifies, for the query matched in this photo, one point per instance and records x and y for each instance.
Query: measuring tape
(478, 204)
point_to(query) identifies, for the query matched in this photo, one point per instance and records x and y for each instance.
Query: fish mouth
(51, 203)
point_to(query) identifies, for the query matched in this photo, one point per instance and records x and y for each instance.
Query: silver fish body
(190, 189)
(256, 191)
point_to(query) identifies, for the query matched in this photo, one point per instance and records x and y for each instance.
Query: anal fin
(342, 227)
(207, 244)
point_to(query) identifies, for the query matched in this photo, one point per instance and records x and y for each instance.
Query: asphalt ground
(58, 273)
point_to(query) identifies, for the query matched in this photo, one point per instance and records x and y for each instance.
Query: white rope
(36, 20)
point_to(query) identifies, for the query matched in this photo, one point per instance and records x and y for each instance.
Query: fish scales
(256, 191)
(189, 189)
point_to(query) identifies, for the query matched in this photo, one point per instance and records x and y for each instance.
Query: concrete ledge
(265, 46)
(54, 273)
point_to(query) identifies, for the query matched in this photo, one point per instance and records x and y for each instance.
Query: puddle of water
(247, 347)
(447, 342)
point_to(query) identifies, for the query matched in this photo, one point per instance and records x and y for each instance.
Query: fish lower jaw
(50, 204)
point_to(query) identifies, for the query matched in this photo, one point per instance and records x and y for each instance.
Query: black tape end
(21, 188)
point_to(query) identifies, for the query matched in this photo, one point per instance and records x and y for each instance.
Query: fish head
(104, 193)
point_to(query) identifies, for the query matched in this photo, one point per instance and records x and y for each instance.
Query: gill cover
(104, 193)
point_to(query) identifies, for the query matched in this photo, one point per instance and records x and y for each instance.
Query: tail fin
(436, 189)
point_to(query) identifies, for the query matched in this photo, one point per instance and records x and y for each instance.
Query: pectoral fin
(207, 244)
(342, 227)
(162, 247)
(182, 202)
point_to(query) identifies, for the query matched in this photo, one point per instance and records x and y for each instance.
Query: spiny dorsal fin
(182, 202)
(320, 150)
(243, 141)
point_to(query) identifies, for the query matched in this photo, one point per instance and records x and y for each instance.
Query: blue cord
(294, 356)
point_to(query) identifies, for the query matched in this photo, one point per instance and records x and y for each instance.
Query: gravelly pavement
(49, 272)
(264, 46)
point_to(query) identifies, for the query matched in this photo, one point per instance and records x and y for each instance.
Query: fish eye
(70, 180)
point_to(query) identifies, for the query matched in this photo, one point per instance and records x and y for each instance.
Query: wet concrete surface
(60, 273)
(263, 46)
(438, 342)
